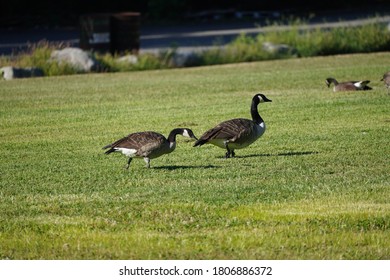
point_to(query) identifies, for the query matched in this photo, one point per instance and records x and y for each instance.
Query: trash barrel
(95, 32)
(124, 31)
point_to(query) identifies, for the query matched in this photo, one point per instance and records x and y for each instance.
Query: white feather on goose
(348, 86)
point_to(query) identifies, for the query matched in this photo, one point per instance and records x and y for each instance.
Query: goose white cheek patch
(186, 134)
(172, 145)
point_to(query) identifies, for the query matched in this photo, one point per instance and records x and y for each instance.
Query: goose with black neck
(237, 133)
(147, 145)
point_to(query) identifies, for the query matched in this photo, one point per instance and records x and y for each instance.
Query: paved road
(205, 38)
(155, 38)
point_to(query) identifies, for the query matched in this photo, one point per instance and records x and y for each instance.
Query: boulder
(281, 49)
(9, 72)
(129, 59)
(185, 58)
(80, 60)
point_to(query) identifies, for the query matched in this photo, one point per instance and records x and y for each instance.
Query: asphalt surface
(154, 38)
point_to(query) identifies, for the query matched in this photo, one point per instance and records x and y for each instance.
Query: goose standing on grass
(236, 133)
(147, 145)
(347, 86)
(386, 80)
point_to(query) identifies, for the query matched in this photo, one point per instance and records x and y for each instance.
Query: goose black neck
(255, 113)
(174, 132)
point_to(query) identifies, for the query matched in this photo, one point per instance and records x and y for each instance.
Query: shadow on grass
(175, 167)
(280, 154)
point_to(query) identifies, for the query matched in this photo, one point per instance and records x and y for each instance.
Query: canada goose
(347, 86)
(386, 80)
(147, 145)
(236, 133)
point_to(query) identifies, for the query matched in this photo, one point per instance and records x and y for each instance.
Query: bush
(367, 38)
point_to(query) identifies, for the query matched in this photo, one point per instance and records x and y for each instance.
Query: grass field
(315, 186)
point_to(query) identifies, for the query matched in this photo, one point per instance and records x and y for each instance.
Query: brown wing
(243, 128)
(386, 79)
(231, 130)
(350, 86)
(143, 142)
(346, 86)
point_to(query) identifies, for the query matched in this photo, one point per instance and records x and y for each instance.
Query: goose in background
(236, 133)
(386, 80)
(147, 145)
(347, 86)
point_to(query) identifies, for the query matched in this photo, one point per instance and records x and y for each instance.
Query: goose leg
(147, 160)
(227, 155)
(128, 163)
(229, 152)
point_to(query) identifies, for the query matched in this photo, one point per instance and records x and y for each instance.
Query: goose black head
(260, 98)
(328, 81)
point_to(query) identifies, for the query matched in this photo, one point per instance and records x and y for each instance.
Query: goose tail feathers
(110, 150)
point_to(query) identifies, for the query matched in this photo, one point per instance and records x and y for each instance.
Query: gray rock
(278, 48)
(9, 72)
(130, 59)
(80, 60)
(182, 58)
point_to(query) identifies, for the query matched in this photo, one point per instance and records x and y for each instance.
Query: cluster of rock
(84, 61)
(76, 58)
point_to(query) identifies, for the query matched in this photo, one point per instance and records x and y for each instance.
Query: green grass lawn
(315, 186)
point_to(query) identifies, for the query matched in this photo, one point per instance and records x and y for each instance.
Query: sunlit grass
(315, 186)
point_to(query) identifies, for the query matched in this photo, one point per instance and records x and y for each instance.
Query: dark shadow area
(64, 13)
(297, 153)
(175, 167)
(280, 154)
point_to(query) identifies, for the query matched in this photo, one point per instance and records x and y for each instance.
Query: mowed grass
(315, 186)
